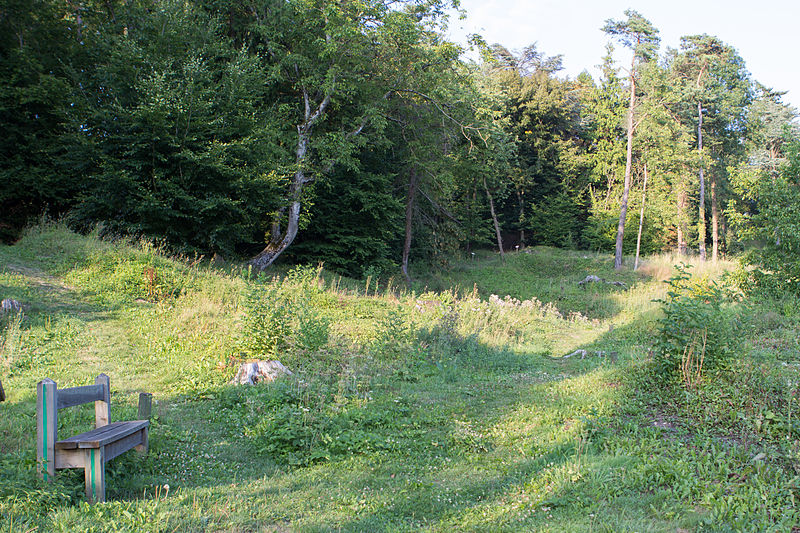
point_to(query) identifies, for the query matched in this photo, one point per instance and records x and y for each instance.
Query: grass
(444, 409)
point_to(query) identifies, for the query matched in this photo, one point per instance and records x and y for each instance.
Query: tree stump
(10, 305)
(260, 371)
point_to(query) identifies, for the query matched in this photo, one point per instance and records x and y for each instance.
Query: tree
(35, 46)
(716, 82)
(769, 216)
(339, 64)
(769, 120)
(603, 110)
(663, 142)
(548, 172)
(638, 34)
(356, 218)
(165, 131)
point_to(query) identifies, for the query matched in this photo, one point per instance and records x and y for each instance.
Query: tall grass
(10, 339)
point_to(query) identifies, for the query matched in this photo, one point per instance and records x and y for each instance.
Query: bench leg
(144, 445)
(95, 474)
(46, 427)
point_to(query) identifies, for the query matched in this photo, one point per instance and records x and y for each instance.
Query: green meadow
(451, 407)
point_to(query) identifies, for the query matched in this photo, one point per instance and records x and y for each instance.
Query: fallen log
(612, 356)
(591, 278)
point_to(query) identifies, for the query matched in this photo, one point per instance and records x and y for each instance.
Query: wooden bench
(92, 449)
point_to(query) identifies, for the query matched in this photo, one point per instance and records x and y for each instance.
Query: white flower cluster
(544, 310)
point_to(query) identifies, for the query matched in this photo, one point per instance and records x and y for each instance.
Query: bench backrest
(50, 399)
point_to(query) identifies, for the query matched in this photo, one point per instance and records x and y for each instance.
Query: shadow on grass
(487, 436)
(458, 447)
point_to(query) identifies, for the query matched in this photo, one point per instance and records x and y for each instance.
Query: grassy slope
(432, 412)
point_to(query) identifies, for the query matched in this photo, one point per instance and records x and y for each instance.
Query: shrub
(769, 220)
(696, 331)
(301, 423)
(281, 316)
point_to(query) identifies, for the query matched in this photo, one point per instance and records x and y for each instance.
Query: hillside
(446, 410)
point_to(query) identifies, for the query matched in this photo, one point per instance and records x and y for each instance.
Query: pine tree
(638, 34)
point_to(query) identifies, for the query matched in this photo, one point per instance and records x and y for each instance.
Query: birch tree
(339, 63)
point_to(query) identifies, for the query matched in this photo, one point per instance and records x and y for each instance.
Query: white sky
(766, 33)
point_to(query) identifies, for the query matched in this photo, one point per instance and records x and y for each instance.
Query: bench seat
(101, 436)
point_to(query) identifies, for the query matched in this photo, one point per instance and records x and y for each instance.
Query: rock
(10, 306)
(258, 371)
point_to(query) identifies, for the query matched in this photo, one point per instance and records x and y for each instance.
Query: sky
(766, 33)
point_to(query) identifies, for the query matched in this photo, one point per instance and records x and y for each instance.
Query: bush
(769, 220)
(300, 423)
(281, 316)
(125, 272)
(696, 331)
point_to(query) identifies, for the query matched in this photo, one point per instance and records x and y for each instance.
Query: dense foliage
(354, 133)
(769, 215)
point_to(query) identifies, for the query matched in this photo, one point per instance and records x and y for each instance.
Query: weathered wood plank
(145, 405)
(143, 447)
(70, 458)
(102, 407)
(79, 395)
(95, 475)
(91, 435)
(124, 429)
(46, 427)
(94, 435)
(124, 444)
(102, 435)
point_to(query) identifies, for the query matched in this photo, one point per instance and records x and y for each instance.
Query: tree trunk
(494, 219)
(701, 221)
(641, 219)
(470, 212)
(682, 226)
(521, 218)
(276, 247)
(623, 210)
(280, 241)
(412, 193)
(714, 217)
